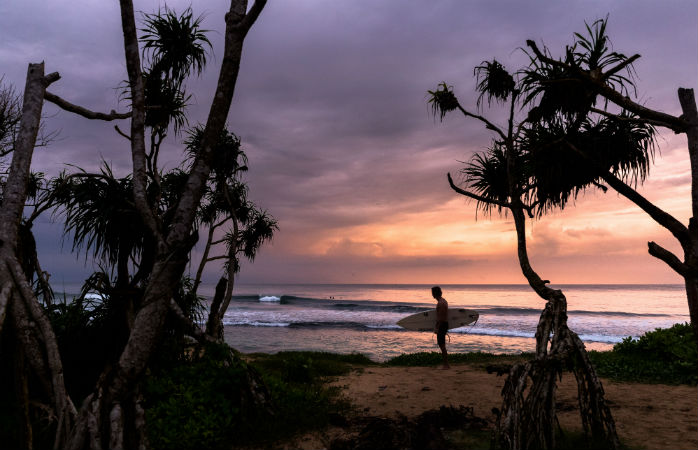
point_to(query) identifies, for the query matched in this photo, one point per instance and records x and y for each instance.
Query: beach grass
(473, 358)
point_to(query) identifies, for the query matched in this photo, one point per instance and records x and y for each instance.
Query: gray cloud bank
(331, 100)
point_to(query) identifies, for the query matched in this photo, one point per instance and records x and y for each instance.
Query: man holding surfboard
(441, 326)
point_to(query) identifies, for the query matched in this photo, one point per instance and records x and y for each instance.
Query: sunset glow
(331, 109)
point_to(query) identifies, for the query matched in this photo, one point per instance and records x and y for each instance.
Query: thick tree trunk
(31, 324)
(528, 419)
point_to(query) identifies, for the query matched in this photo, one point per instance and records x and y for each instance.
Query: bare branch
(679, 230)
(15, 189)
(252, 15)
(118, 130)
(137, 91)
(214, 258)
(665, 255)
(190, 327)
(627, 119)
(475, 196)
(677, 124)
(489, 125)
(84, 112)
(614, 70)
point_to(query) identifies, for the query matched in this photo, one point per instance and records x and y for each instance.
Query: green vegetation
(435, 359)
(204, 402)
(666, 356)
(308, 367)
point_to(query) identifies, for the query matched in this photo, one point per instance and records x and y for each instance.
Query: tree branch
(665, 255)
(190, 327)
(475, 196)
(489, 125)
(137, 90)
(627, 119)
(118, 130)
(84, 112)
(679, 230)
(676, 124)
(252, 15)
(214, 258)
(614, 70)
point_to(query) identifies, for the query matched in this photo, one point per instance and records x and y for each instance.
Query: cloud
(331, 108)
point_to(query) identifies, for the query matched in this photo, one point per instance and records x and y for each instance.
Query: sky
(331, 107)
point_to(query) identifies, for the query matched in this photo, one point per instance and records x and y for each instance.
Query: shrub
(199, 403)
(661, 356)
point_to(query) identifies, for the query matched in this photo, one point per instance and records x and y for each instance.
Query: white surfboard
(426, 320)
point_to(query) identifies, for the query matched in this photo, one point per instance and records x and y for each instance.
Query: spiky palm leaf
(101, 217)
(560, 89)
(442, 100)
(228, 157)
(622, 147)
(165, 103)
(258, 229)
(487, 175)
(176, 45)
(493, 81)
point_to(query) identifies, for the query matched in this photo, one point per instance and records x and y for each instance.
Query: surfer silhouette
(441, 327)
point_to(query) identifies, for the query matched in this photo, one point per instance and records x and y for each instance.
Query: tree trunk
(30, 322)
(528, 419)
(213, 327)
(96, 426)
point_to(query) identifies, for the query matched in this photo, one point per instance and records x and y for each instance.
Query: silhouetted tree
(225, 204)
(111, 415)
(573, 136)
(523, 172)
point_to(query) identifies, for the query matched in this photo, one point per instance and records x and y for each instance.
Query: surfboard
(426, 320)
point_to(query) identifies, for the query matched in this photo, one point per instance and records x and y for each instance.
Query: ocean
(360, 318)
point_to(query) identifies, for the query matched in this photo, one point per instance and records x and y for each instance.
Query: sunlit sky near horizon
(331, 107)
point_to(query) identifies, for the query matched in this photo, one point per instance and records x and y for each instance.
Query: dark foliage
(200, 401)
(442, 100)
(662, 356)
(493, 82)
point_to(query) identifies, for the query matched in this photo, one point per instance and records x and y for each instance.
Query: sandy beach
(651, 416)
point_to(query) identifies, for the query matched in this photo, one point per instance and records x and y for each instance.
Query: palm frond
(442, 100)
(493, 81)
(175, 45)
(487, 175)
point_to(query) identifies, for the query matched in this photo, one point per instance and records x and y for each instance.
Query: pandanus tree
(573, 131)
(226, 206)
(111, 414)
(551, 149)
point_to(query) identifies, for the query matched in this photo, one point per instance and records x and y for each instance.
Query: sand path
(646, 415)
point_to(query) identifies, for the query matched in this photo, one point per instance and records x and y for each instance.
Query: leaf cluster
(563, 145)
(442, 100)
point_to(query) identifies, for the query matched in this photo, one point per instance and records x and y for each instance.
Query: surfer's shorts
(441, 333)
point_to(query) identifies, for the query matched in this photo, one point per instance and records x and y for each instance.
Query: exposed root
(528, 419)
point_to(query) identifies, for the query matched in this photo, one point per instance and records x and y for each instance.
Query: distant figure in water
(441, 327)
